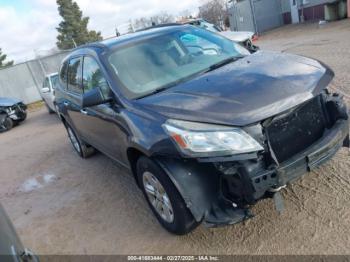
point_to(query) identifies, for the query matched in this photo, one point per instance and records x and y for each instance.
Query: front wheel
(163, 198)
(6, 125)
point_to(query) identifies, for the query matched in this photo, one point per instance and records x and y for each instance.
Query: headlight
(201, 140)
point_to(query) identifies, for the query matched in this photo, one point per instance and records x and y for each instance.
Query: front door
(102, 125)
(74, 93)
(294, 11)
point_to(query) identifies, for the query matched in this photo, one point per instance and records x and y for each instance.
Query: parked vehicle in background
(11, 247)
(12, 112)
(245, 38)
(48, 91)
(207, 133)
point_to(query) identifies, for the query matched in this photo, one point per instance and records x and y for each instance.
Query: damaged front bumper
(303, 162)
(219, 191)
(17, 112)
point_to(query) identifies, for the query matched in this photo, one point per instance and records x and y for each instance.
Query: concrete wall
(24, 80)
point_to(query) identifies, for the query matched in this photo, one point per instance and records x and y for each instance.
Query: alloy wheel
(158, 197)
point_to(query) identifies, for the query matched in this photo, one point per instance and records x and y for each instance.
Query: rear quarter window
(54, 81)
(46, 83)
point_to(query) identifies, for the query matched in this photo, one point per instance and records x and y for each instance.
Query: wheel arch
(133, 154)
(197, 184)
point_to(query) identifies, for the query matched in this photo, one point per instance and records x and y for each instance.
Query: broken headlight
(203, 140)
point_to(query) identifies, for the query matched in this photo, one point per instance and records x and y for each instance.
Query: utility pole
(74, 43)
(39, 61)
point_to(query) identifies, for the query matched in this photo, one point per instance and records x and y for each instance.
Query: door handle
(83, 111)
(66, 103)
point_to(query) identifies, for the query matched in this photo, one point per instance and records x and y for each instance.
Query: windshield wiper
(223, 62)
(184, 79)
(158, 90)
(172, 84)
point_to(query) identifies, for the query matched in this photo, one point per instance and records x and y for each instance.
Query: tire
(24, 117)
(7, 124)
(49, 109)
(57, 111)
(181, 222)
(82, 149)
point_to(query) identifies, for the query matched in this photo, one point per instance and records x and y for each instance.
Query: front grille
(247, 43)
(297, 130)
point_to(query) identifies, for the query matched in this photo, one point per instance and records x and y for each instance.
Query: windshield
(160, 62)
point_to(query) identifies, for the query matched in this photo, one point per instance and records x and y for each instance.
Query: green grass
(35, 106)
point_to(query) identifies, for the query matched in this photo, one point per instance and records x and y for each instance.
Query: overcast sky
(28, 25)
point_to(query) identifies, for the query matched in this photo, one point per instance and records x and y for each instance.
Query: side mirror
(45, 90)
(93, 98)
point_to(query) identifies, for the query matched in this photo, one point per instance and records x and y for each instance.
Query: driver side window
(93, 77)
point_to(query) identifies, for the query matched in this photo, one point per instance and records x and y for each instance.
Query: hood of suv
(244, 92)
(6, 101)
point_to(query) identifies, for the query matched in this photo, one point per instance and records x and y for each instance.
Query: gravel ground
(61, 204)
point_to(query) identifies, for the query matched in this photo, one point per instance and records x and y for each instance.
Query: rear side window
(74, 76)
(63, 75)
(46, 83)
(54, 81)
(93, 77)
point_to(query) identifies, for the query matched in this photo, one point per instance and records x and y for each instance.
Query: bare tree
(161, 18)
(214, 11)
(142, 23)
(184, 16)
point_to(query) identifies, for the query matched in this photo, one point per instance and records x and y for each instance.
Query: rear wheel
(164, 199)
(57, 110)
(49, 109)
(6, 125)
(79, 146)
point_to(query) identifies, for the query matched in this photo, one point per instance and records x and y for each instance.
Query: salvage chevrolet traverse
(206, 128)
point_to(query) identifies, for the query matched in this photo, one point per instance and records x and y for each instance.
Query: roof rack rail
(93, 44)
(158, 26)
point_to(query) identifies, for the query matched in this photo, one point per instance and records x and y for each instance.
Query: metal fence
(24, 80)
